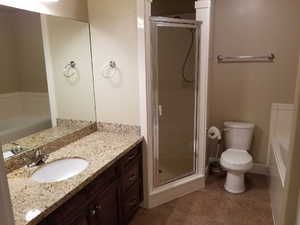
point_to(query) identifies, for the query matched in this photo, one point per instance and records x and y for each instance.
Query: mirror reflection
(46, 82)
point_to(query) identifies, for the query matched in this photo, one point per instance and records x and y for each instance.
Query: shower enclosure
(175, 45)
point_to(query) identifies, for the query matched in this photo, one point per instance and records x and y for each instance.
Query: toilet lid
(240, 125)
(236, 157)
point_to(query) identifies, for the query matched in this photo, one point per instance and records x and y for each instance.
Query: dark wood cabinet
(131, 203)
(82, 218)
(80, 221)
(111, 199)
(106, 207)
(131, 185)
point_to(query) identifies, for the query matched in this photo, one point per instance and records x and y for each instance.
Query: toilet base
(235, 182)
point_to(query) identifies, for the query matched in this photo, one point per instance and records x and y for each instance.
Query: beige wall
(30, 52)
(22, 55)
(114, 37)
(245, 91)
(9, 81)
(74, 9)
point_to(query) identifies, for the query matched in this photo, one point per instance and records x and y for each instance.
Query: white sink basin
(59, 170)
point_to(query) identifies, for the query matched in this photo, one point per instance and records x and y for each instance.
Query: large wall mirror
(46, 81)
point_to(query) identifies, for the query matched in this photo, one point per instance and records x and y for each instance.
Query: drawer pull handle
(132, 156)
(132, 178)
(99, 207)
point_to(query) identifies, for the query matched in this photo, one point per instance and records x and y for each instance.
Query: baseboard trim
(259, 168)
(173, 191)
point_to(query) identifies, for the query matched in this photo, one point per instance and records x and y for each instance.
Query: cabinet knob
(93, 212)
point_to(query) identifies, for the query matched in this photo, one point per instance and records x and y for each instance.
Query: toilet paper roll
(214, 133)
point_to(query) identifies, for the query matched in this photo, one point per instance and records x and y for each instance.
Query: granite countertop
(43, 137)
(33, 201)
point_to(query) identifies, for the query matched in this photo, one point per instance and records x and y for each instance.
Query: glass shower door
(175, 76)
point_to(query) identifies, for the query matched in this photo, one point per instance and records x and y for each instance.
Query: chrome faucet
(17, 148)
(39, 159)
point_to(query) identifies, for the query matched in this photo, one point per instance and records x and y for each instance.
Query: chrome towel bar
(244, 59)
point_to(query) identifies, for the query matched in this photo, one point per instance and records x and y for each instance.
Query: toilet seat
(236, 159)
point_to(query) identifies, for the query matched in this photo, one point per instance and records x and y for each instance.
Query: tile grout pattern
(214, 206)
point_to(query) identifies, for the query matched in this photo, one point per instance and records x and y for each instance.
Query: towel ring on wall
(110, 69)
(70, 70)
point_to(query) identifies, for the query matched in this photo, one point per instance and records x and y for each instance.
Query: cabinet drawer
(130, 157)
(101, 183)
(131, 176)
(131, 202)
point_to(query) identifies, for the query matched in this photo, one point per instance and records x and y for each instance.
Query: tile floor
(214, 206)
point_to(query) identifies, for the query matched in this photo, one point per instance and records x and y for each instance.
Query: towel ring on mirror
(110, 69)
(68, 68)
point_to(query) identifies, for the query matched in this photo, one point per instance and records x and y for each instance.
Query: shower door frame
(155, 23)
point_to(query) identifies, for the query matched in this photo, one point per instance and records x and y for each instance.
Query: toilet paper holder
(214, 133)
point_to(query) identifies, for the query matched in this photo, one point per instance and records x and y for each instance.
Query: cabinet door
(83, 216)
(106, 207)
(44, 222)
(81, 220)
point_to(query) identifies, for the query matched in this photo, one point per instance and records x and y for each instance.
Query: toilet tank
(238, 135)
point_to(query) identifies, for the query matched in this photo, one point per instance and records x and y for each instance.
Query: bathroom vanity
(107, 192)
(111, 199)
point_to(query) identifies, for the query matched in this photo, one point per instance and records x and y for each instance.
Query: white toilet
(236, 160)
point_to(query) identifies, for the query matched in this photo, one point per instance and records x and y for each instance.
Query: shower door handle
(160, 110)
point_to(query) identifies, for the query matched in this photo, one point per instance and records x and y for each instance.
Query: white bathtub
(279, 141)
(18, 127)
(23, 113)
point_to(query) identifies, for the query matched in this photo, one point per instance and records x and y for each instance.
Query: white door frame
(49, 70)
(156, 196)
